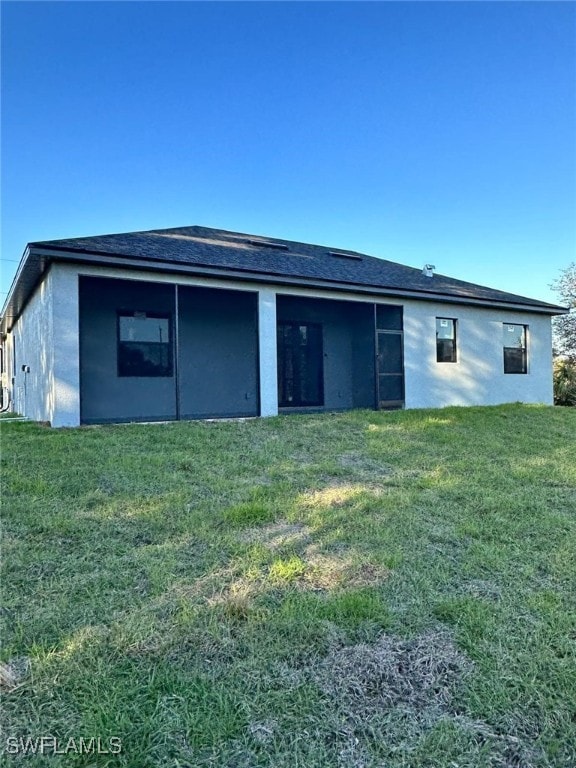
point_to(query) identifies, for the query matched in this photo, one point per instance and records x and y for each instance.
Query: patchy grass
(362, 589)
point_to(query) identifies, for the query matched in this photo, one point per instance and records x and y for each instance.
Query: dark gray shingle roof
(239, 252)
(235, 251)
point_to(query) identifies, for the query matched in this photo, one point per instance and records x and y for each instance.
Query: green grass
(194, 589)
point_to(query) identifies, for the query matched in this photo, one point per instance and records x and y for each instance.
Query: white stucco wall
(47, 339)
(267, 352)
(31, 343)
(66, 371)
(7, 367)
(477, 378)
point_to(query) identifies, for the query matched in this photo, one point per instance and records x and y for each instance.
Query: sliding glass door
(300, 365)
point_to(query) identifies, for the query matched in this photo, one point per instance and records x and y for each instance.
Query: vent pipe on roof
(428, 270)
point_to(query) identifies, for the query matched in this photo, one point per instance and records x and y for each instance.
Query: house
(194, 322)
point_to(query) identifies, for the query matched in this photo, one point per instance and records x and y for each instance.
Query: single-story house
(194, 322)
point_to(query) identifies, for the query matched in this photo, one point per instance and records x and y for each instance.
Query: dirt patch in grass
(13, 673)
(262, 731)
(398, 690)
(320, 570)
(389, 701)
(359, 464)
(483, 589)
(327, 571)
(366, 575)
(418, 674)
(277, 535)
(338, 492)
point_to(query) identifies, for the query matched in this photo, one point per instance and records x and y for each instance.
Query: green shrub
(564, 382)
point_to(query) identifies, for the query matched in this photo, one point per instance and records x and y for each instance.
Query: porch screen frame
(396, 329)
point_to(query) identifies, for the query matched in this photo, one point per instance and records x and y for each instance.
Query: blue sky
(415, 131)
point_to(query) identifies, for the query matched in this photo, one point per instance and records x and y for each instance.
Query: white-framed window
(515, 349)
(446, 340)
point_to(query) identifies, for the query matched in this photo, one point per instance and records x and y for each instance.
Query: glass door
(300, 365)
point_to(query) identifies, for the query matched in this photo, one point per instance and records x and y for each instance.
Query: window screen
(391, 389)
(144, 345)
(445, 340)
(388, 317)
(515, 357)
(390, 353)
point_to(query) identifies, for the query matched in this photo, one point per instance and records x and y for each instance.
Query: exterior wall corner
(267, 358)
(65, 410)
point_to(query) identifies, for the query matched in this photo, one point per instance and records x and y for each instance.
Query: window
(144, 345)
(300, 365)
(515, 358)
(445, 340)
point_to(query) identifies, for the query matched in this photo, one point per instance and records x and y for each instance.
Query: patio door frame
(380, 333)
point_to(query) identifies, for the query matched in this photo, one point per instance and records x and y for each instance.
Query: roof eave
(37, 259)
(86, 257)
(28, 274)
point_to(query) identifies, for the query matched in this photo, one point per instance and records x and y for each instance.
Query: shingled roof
(200, 250)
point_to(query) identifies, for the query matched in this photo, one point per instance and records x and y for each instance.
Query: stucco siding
(477, 378)
(65, 395)
(267, 348)
(31, 345)
(47, 339)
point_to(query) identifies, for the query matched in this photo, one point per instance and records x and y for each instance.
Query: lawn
(350, 591)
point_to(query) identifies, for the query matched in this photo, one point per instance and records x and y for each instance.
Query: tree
(565, 339)
(564, 382)
(565, 325)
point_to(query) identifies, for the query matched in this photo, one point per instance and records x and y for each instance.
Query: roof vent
(345, 255)
(267, 244)
(428, 270)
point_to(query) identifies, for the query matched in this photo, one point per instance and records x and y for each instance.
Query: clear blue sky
(418, 132)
